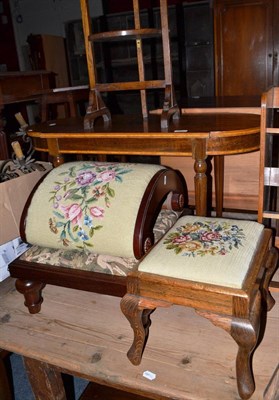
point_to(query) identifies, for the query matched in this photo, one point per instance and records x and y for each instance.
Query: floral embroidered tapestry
(205, 238)
(80, 199)
(89, 206)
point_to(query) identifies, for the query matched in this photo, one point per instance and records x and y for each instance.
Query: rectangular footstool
(220, 267)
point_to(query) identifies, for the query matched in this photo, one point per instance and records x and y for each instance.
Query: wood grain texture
(240, 50)
(87, 334)
(45, 381)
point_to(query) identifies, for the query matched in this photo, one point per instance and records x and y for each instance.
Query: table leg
(200, 167)
(45, 380)
(4, 152)
(53, 149)
(219, 183)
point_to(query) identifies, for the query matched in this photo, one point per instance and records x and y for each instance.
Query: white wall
(44, 17)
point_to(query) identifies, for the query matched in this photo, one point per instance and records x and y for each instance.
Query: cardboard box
(8, 252)
(13, 196)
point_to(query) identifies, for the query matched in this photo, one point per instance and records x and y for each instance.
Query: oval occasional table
(196, 136)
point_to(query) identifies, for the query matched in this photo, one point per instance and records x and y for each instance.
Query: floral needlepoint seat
(220, 267)
(89, 223)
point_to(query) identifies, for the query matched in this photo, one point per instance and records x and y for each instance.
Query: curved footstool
(91, 222)
(220, 267)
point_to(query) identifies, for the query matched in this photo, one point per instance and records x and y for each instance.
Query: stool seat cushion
(214, 251)
(89, 206)
(103, 263)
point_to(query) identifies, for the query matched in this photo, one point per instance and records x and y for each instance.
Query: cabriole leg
(140, 322)
(245, 332)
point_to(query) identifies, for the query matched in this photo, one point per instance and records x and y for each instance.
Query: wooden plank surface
(86, 334)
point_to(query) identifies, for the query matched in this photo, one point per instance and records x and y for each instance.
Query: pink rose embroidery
(209, 236)
(181, 239)
(97, 212)
(107, 176)
(205, 238)
(82, 187)
(85, 178)
(73, 212)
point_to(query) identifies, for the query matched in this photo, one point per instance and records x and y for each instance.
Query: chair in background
(69, 98)
(268, 209)
(97, 107)
(72, 99)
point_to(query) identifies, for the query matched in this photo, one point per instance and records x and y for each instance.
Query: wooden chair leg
(271, 266)
(32, 292)
(140, 322)
(137, 310)
(219, 166)
(245, 332)
(101, 157)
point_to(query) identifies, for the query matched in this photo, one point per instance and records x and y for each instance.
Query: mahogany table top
(223, 133)
(212, 124)
(198, 136)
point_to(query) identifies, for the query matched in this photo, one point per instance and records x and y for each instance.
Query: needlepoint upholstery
(94, 262)
(209, 250)
(90, 206)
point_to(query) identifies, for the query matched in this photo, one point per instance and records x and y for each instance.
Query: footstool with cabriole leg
(220, 267)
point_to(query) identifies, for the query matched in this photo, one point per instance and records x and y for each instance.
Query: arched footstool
(220, 267)
(90, 223)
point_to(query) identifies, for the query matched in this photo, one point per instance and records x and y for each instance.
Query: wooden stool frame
(32, 277)
(240, 312)
(268, 205)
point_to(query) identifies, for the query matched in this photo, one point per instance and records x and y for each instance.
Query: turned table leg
(199, 154)
(219, 166)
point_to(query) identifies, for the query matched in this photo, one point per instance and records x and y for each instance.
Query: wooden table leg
(4, 152)
(45, 380)
(5, 383)
(199, 154)
(54, 152)
(219, 183)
